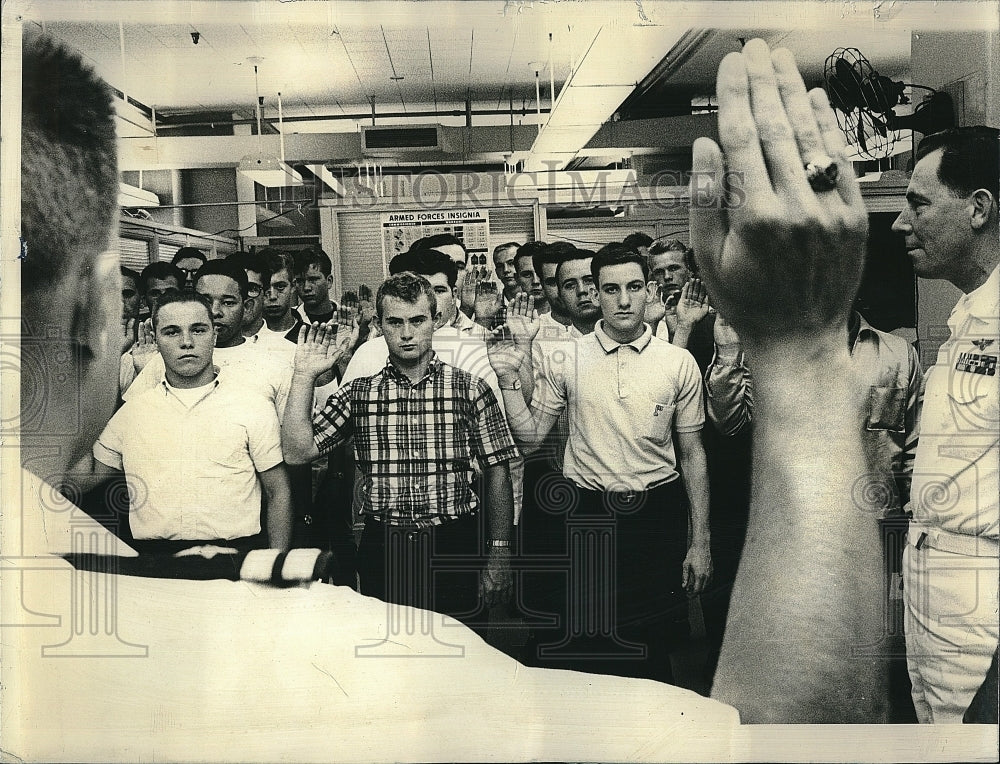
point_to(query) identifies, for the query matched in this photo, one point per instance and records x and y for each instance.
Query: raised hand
(128, 333)
(468, 294)
(505, 354)
(655, 309)
(145, 346)
(693, 304)
(346, 326)
(522, 320)
(319, 348)
(366, 312)
(781, 260)
(489, 301)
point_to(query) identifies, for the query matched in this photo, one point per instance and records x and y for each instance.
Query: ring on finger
(822, 173)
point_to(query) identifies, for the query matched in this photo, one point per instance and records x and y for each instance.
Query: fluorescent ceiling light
(618, 58)
(130, 196)
(328, 178)
(268, 171)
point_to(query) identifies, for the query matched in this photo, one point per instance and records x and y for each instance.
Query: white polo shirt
(623, 402)
(955, 486)
(191, 459)
(550, 349)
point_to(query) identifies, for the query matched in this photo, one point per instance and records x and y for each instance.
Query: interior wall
(966, 65)
(210, 185)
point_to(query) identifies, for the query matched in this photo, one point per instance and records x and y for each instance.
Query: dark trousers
(328, 522)
(434, 568)
(608, 579)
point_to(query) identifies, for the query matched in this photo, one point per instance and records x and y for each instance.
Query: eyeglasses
(254, 290)
(128, 294)
(187, 271)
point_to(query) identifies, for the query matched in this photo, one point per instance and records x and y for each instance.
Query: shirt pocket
(225, 445)
(887, 409)
(655, 421)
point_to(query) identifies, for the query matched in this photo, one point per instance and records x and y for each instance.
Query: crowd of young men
(207, 389)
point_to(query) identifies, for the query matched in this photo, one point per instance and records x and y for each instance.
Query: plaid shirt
(415, 441)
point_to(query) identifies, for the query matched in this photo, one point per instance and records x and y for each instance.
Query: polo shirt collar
(433, 368)
(609, 345)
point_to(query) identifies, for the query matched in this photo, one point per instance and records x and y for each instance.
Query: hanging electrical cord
(298, 208)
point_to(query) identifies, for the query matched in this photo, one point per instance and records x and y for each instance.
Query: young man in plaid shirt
(417, 426)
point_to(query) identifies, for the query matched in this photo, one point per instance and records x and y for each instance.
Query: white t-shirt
(191, 460)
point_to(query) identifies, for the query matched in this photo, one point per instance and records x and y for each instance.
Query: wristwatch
(515, 385)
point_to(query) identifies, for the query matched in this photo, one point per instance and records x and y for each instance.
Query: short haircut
(970, 158)
(175, 297)
(276, 260)
(617, 254)
(427, 262)
(553, 253)
(250, 261)
(224, 268)
(159, 270)
(185, 252)
(568, 255)
(501, 247)
(675, 245)
(128, 273)
(303, 259)
(530, 249)
(69, 166)
(408, 287)
(401, 262)
(439, 240)
(637, 239)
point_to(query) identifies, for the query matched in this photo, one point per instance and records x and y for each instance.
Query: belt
(628, 492)
(415, 532)
(921, 536)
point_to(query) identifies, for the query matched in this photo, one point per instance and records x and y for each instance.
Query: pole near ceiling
(538, 101)
(281, 128)
(552, 77)
(510, 95)
(121, 49)
(259, 100)
(357, 117)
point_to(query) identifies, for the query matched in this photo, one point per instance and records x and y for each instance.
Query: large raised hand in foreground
(782, 262)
